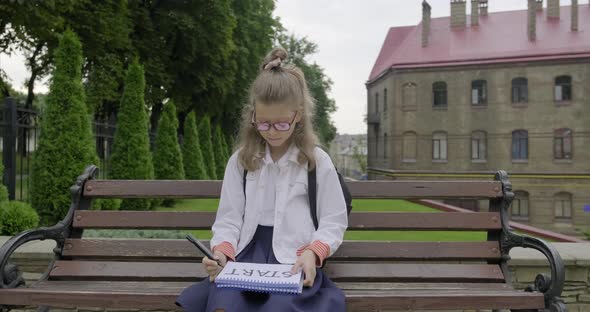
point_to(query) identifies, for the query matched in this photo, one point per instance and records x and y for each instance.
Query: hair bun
(274, 58)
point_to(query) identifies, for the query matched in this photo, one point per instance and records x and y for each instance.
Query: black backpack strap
(244, 181)
(312, 194)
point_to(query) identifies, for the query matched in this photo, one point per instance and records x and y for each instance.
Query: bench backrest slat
(358, 189)
(176, 260)
(357, 221)
(184, 271)
(182, 250)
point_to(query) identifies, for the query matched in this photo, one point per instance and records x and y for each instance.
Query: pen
(202, 248)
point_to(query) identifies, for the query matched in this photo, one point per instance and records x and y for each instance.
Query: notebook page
(269, 278)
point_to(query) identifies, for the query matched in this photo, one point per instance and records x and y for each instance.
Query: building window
(562, 144)
(409, 95)
(479, 92)
(562, 204)
(519, 209)
(409, 147)
(520, 93)
(439, 146)
(385, 99)
(376, 102)
(563, 88)
(520, 145)
(439, 91)
(478, 145)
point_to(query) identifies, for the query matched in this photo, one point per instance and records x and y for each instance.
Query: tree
(229, 141)
(202, 62)
(220, 151)
(226, 150)
(105, 29)
(131, 157)
(66, 145)
(186, 52)
(253, 38)
(319, 84)
(3, 190)
(359, 157)
(167, 155)
(207, 147)
(194, 168)
(34, 26)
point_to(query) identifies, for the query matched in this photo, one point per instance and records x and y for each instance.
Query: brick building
(465, 95)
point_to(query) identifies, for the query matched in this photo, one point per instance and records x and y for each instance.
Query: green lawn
(358, 205)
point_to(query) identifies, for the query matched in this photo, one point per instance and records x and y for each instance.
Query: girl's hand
(212, 267)
(306, 261)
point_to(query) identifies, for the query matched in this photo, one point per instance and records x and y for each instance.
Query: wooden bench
(375, 275)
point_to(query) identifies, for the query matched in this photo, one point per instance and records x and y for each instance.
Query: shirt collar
(292, 155)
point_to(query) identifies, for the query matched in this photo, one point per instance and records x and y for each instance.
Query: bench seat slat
(358, 189)
(183, 271)
(182, 250)
(458, 221)
(439, 300)
(161, 295)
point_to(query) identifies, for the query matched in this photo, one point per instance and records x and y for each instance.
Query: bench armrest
(550, 286)
(58, 232)
(55, 232)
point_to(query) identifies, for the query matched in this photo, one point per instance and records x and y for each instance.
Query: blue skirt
(324, 295)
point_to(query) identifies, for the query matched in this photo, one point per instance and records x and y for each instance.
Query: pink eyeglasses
(265, 125)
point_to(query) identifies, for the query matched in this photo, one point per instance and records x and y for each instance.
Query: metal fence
(19, 133)
(104, 134)
(19, 129)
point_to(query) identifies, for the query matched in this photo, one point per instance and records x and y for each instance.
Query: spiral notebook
(269, 278)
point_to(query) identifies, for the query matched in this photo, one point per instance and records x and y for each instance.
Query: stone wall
(527, 263)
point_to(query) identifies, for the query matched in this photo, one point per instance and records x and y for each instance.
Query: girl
(269, 220)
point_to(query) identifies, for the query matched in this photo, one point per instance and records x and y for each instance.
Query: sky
(349, 35)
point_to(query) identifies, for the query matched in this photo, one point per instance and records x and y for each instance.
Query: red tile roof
(500, 38)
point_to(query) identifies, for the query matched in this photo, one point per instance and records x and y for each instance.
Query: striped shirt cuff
(227, 249)
(322, 250)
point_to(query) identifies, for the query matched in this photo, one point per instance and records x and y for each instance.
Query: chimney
(574, 15)
(532, 20)
(553, 9)
(483, 7)
(425, 22)
(474, 12)
(539, 5)
(458, 15)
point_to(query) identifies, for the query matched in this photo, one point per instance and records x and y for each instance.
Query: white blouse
(270, 192)
(276, 194)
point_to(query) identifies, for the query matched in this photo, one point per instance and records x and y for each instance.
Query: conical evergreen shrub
(131, 157)
(167, 155)
(220, 150)
(66, 144)
(194, 168)
(207, 147)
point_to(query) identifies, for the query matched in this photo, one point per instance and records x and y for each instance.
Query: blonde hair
(277, 84)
